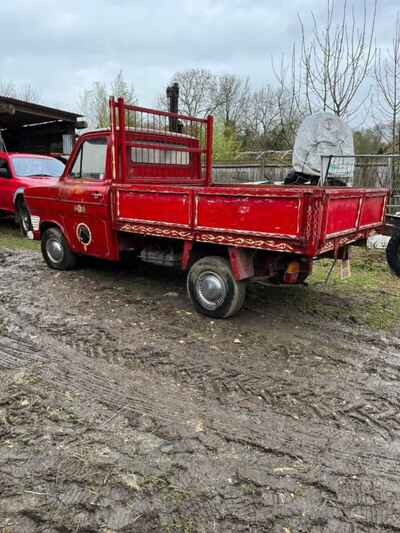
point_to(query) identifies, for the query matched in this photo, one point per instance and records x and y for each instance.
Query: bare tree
(201, 93)
(27, 92)
(8, 88)
(336, 58)
(93, 102)
(233, 99)
(264, 110)
(197, 92)
(291, 102)
(387, 75)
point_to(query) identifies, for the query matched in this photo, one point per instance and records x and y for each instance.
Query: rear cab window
(162, 158)
(169, 154)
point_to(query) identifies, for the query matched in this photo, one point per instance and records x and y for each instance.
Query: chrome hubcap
(55, 250)
(210, 290)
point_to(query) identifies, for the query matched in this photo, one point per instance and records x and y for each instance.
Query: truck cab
(85, 189)
(19, 171)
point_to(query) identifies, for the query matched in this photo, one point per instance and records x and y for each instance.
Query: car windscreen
(37, 166)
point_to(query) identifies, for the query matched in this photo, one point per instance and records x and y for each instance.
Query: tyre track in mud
(289, 389)
(239, 437)
(166, 406)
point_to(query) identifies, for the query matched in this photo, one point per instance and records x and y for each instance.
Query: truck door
(85, 195)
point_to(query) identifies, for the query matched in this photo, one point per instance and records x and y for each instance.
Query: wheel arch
(241, 260)
(19, 193)
(47, 224)
(194, 250)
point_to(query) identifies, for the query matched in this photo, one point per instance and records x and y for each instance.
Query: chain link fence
(394, 202)
(236, 173)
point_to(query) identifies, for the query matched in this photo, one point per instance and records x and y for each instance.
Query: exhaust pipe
(173, 107)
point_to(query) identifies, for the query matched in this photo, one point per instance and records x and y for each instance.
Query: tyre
(213, 289)
(56, 252)
(393, 254)
(23, 217)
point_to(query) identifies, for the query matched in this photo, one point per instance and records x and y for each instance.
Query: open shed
(29, 127)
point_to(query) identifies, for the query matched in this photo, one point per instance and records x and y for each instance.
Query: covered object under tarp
(29, 127)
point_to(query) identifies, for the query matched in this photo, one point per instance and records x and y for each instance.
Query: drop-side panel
(165, 208)
(342, 214)
(350, 211)
(372, 210)
(268, 216)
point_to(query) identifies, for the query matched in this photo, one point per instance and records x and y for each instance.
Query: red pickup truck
(145, 185)
(18, 172)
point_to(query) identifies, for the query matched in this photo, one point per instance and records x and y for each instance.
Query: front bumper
(34, 234)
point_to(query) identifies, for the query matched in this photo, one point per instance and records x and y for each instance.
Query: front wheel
(23, 217)
(213, 289)
(56, 252)
(393, 254)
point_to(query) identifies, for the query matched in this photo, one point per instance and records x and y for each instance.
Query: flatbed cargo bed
(303, 220)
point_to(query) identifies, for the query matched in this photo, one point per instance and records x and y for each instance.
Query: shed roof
(15, 113)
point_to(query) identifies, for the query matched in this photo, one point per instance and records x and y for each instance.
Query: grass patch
(10, 237)
(371, 296)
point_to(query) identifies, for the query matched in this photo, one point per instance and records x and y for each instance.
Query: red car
(18, 172)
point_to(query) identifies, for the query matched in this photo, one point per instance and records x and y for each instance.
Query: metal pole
(210, 125)
(122, 169)
(2, 144)
(325, 173)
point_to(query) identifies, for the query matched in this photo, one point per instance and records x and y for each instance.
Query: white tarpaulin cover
(323, 134)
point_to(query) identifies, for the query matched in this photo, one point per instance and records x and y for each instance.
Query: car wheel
(23, 217)
(56, 252)
(213, 289)
(393, 254)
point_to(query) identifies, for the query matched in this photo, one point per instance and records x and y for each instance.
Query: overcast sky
(61, 47)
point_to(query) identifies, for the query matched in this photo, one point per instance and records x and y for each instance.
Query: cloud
(61, 48)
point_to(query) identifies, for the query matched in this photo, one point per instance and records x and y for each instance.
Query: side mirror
(4, 172)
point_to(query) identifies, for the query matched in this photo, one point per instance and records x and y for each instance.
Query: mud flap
(242, 263)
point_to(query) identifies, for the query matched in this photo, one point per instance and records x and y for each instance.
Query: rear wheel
(213, 289)
(23, 216)
(56, 252)
(393, 254)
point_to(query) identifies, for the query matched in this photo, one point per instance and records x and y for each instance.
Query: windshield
(37, 166)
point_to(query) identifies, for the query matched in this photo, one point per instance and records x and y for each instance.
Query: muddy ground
(123, 410)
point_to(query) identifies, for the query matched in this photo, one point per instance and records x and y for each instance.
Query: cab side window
(91, 160)
(4, 169)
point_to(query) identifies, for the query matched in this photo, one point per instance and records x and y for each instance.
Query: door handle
(96, 195)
